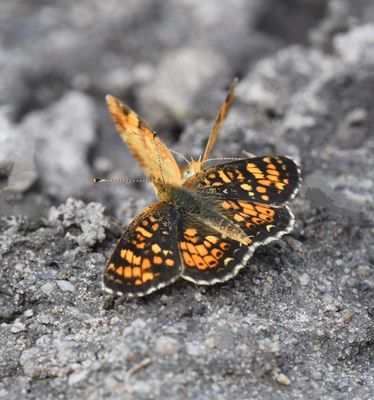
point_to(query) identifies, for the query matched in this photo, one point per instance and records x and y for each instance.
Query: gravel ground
(298, 321)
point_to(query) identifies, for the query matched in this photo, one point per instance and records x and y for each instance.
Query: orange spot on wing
(272, 171)
(132, 119)
(191, 248)
(156, 248)
(146, 264)
(199, 262)
(244, 204)
(144, 232)
(157, 260)
(119, 271)
(224, 177)
(212, 239)
(190, 232)
(211, 261)
(224, 246)
(169, 262)
(264, 182)
(245, 186)
(261, 189)
(147, 276)
(188, 259)
(217, 253)
(225, 205)
(128, 273)
(265, 210)
(201, 249)
(279, 185)
(238, 218)
(129, 256)
(136, 260)
(155, 227)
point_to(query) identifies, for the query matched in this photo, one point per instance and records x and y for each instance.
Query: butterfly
(207, 221)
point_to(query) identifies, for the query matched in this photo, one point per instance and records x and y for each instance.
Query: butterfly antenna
(180, 155)
(101, 180)
(224, 158)
(159, 157)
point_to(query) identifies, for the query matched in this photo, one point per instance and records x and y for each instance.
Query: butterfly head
(193, 167)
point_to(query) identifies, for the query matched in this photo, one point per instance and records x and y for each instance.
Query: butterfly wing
(194, 166)
(209, 257)
(272, 180)
(146, 257)
(262, 223)
(155, 158)
(221, 116)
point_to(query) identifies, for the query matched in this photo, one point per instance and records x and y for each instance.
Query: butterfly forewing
(146, 257)
(221, 116)
(152, 154)
(270, 180)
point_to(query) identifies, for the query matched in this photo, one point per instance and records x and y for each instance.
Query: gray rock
(165, 345)
(63, 134)
(66, 286)
(89, 218)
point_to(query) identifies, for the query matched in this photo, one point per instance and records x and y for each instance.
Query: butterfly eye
(188, 173)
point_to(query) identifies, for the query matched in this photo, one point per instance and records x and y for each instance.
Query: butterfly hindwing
(270, 180)
(261, 223)
(146, 257)
(208, 256)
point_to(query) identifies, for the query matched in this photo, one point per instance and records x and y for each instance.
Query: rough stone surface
(298, 321)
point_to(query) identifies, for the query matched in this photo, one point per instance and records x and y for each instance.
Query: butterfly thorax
(206, 209)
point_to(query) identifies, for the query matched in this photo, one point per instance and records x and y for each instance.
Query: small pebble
(327, 299)
(288, 284)
(304, 280)
(77, 377)
(283, 379)
(28, 313)
(210, 343)
(47, 288)
(166, 345)
(347, 316)
(66, 286)
(317, 375)
(18, 327)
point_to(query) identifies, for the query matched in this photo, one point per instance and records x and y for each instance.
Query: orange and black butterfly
(207, 222)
